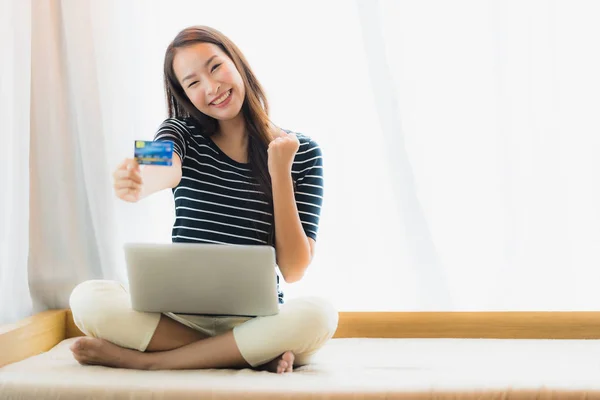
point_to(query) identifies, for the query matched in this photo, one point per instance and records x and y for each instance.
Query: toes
(80, 358)
(288, 357)
(76, 346)
(284, 363)
(282, 366)
(81, 351)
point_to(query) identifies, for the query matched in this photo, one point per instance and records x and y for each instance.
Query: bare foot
(283, 363)
(93, 351)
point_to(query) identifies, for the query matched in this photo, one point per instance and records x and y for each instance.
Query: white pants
(102, 309)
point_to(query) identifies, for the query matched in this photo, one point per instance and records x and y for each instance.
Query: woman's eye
(215, 67)
(192, 84)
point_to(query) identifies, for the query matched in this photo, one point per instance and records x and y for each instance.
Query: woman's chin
(227, 116)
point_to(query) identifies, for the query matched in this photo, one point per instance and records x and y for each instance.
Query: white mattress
(345, 368)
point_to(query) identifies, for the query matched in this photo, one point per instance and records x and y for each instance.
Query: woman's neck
(232, 139)
(232, 132)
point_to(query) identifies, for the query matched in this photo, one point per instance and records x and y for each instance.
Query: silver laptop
(213, 279)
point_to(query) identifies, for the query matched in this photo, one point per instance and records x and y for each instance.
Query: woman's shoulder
(304, 139)
(308, 149)
(178, 123)
(185, 126)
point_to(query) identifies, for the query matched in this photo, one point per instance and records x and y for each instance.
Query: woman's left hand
(281, 153)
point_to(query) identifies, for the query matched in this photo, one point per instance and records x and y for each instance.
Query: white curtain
(15, 84)
(73, 229)
(488, 113)
(59, 224)
(459, 142)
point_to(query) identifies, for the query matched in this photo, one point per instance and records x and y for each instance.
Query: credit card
(153, 153)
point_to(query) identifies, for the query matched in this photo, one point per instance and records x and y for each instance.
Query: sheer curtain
(497, 105)
(58, 223)
(15, 39)
(459, 142)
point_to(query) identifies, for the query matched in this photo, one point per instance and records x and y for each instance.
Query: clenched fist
(281, 153)
(128, 180)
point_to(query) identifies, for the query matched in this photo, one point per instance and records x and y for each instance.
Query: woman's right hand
(127, 180)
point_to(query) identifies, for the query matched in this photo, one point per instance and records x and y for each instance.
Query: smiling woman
(236, 179)
(201, 67)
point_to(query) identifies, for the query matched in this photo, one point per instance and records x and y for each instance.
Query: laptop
(209, 279)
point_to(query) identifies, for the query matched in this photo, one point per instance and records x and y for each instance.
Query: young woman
(236, 179)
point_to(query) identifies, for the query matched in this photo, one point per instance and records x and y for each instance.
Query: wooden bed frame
(41, 332)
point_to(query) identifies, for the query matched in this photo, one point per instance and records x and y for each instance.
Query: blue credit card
(153, 153)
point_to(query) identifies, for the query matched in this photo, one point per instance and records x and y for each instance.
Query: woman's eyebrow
(193, 74)
(209, 60)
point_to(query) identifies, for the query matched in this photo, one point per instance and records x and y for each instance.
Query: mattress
(344, 369)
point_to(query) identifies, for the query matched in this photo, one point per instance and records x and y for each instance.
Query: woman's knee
(316, 315)
(103, 309)
(302, 326)
(92, 304)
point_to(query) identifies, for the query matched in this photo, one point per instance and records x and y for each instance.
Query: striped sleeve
(176, 131)
(308, 165)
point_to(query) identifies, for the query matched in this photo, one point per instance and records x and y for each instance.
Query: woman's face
(210, 80)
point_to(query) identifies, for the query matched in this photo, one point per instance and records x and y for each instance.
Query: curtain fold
(73, 236)
(416, 236)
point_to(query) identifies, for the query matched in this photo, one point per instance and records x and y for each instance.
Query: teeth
(222, 98)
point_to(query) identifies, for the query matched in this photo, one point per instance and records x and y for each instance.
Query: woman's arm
(157, 178)
(294, 249)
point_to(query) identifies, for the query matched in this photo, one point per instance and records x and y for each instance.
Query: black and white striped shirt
(219, 201)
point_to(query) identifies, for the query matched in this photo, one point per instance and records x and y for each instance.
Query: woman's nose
(212, 88)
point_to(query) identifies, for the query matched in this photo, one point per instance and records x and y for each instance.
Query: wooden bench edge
(31, 336)
(488, 325)
(484, 325)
